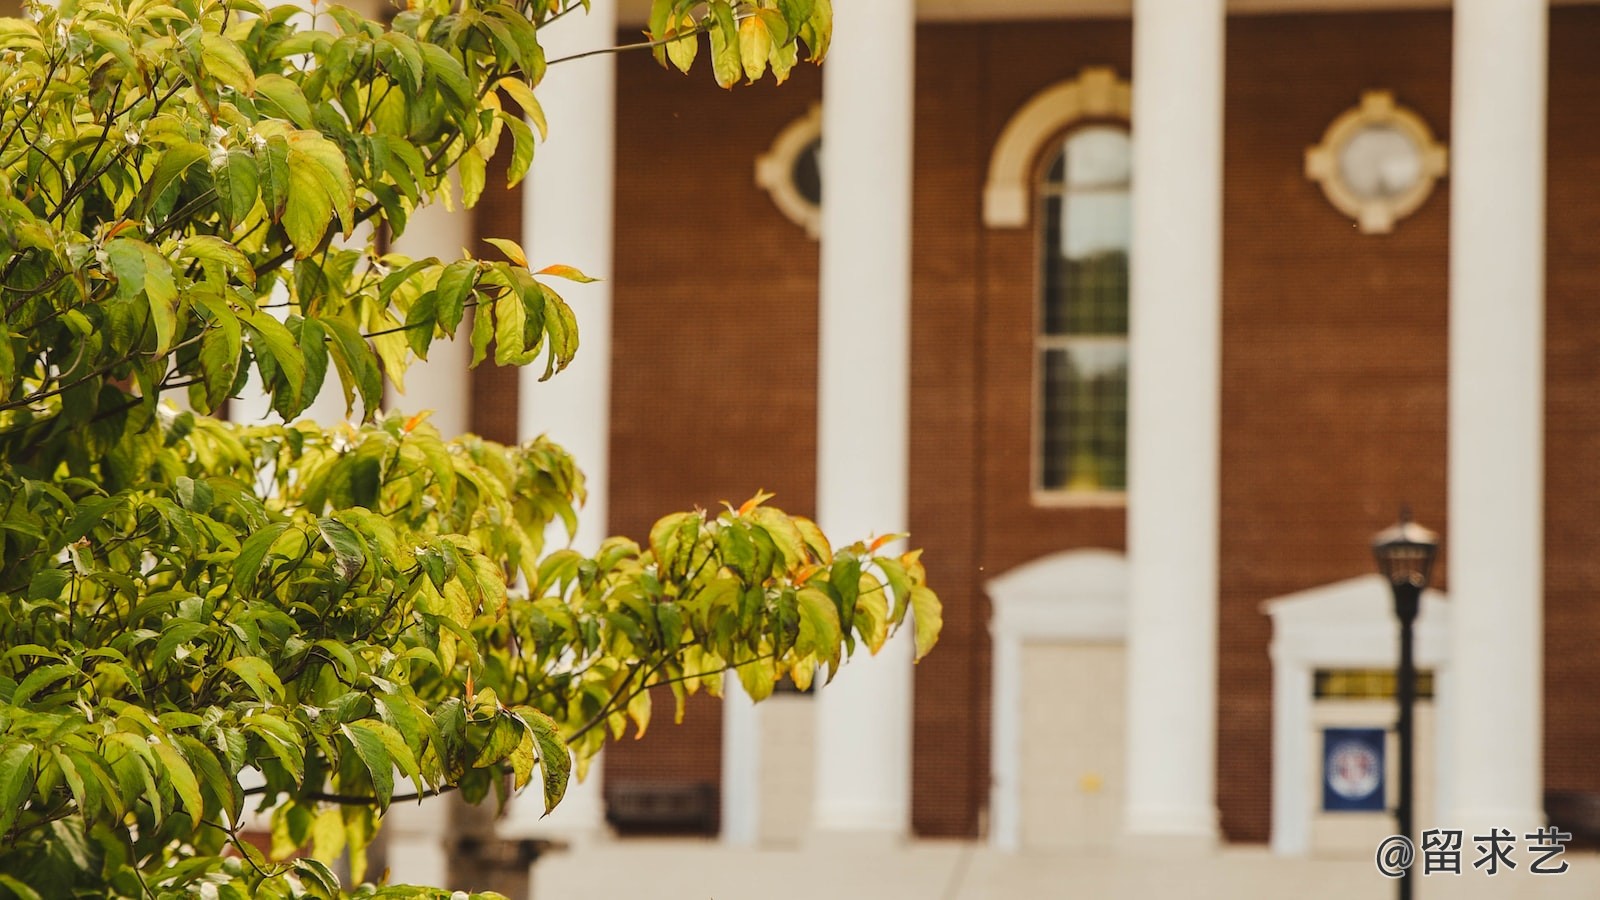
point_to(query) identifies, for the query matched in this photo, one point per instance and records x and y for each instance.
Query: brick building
(1028, 203)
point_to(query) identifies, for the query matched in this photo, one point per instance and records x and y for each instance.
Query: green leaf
(358, 366)
(504, 735)
(287, 97)
(554, 758)
(225, 63)
(818, 29)
(395, 745)
(196, 496)
(521, 149)
(271, 335)
(820, 632)
(182, 779)
(174, 162)
(16, 770)
(308, 209)
(447, 71)
(257, 673)
(251, 553)
(272, 164)
(238, 184)
(375, 757)
(725, 62)
(210, 248)
(455, 284)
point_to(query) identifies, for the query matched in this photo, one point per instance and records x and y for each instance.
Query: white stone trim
(1376, 215)
(1075, 596)
(1345, 625)
(1097, 93)
(775, 168)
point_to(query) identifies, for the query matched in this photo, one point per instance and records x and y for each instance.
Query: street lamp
(1405, 552)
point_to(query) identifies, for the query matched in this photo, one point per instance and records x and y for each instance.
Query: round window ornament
(791, 171)
(1377, 162)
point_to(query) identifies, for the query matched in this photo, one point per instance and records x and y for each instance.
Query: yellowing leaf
(567, 272)
(928, 618)
(755, 44)
(725, 62)
(226, 64)
(511, 249)
(683, 43)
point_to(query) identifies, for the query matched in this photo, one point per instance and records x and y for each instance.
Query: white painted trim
(775, 171)
(1345, 625)
(1097, 93)
(1075, 596)
(1376, 215)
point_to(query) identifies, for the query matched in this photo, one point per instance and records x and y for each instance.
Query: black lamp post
(1405, 552)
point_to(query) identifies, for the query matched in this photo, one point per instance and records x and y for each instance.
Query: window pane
(1085, 419)
(1098, 156)
(1085, 234)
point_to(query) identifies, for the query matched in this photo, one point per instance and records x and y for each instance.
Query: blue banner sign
(1352, 770)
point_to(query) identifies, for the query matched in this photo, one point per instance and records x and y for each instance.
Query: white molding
(1097, 93)
(1376, 215)
(1075, 596)
(775, 168)
(1344, 625)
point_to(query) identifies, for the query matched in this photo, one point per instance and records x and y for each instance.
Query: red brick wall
(1572, 407)
(494, 388)
(972, 371)
(1334, 353)
(715, 337)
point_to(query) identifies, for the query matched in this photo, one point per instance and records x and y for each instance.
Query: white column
(441, 383)
(1174, 337)
(863, 781)
(1496, 494)
(567, 218)
(414, 835)
(741, 765)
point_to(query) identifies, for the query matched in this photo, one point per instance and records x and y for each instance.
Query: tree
(361, 614)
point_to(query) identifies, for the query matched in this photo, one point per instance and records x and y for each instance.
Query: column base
(1170, 832)
(833, 841)
(1479, 821)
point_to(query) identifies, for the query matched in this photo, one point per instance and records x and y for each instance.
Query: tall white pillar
(741, 765)
(441, 383)
(567, 218)
(1174, 339)
(1496, 428)
(863, 779)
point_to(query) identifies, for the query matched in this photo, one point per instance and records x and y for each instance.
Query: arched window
(1081, 336)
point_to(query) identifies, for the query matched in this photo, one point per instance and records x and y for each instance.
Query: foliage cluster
(198, 618)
